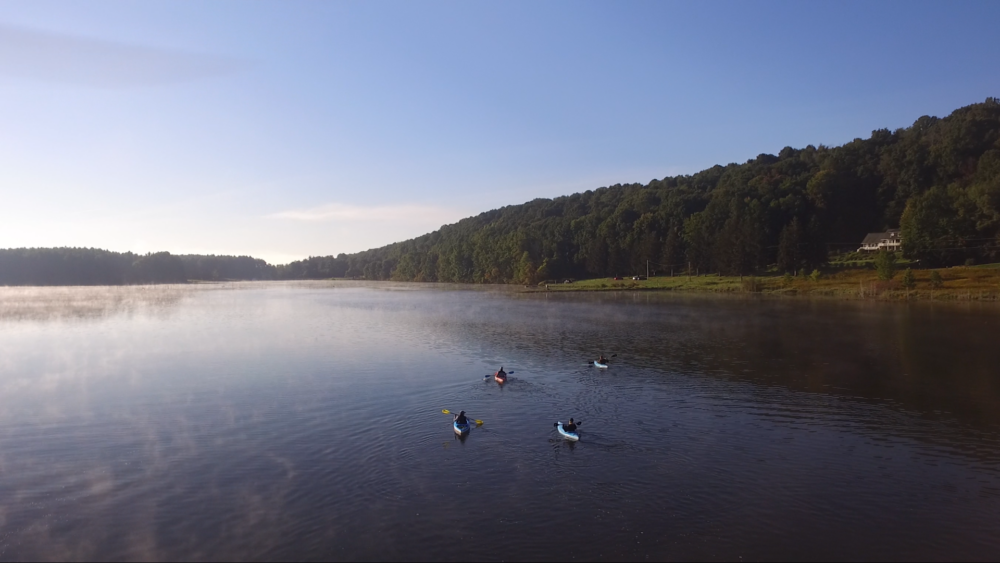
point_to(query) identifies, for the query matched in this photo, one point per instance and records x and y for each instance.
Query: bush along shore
(971, 283)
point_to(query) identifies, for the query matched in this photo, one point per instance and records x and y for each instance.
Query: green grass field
(959, 283)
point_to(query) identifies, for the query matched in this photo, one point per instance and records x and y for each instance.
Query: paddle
(446, 411)
(578, 423)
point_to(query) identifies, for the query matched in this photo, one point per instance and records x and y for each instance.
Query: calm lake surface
(303, 421)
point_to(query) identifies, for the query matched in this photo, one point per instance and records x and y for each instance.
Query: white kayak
(571, 436)
(461, 429)
(600, 365)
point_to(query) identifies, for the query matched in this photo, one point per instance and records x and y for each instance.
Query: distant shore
(973, 283)
(960, 283)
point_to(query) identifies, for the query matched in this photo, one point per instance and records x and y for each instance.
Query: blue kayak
(571, 436)
(461, 429)
(600, 365)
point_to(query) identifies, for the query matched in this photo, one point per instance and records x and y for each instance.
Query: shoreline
(966, 283)
(958, 284)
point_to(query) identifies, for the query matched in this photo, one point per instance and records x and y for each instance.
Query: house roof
(875, 238)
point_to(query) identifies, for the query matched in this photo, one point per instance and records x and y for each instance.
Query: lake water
(303, 421)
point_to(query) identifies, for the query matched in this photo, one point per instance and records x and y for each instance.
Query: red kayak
(500, 378)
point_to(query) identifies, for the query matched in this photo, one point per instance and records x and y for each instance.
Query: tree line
(91, 266)
(938, 180)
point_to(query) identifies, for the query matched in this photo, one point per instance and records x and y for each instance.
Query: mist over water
(303, 421)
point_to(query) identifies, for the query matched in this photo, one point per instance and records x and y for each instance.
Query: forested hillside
(939, 180)
(90, 266)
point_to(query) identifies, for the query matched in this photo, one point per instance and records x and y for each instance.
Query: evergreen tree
(885, 264)
(936, 280)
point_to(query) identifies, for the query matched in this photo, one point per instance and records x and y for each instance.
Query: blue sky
(289, 129)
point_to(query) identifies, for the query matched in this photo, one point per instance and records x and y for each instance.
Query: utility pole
(647, 269)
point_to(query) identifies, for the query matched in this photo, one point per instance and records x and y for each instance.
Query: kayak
(461, 429)
(571, 436)
(500, 379)
(600, 365)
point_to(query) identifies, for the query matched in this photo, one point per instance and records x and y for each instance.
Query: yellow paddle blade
(479, 423)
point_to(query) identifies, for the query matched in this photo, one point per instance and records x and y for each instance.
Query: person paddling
(460, 419)
(570, 426)
(500, 374)
(602, 360)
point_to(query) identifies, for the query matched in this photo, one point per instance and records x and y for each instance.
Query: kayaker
(602, 360)
(569, 426)
(460, 418)
(501, 374)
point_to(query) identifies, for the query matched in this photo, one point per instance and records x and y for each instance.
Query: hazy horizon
(287, 130)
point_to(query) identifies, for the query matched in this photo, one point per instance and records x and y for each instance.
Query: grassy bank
(977, 283)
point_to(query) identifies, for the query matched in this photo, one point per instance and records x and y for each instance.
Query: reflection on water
(291, 421)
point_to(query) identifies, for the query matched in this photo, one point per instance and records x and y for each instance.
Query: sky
(291, 129)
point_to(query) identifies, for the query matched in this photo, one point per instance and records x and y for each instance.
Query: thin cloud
(72, 59)
(413, 214)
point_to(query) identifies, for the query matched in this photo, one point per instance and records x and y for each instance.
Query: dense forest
(90, 266)
(937, 180)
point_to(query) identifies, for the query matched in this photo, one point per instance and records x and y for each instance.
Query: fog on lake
(289, 421)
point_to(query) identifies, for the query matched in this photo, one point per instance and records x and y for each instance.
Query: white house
(888, 240)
